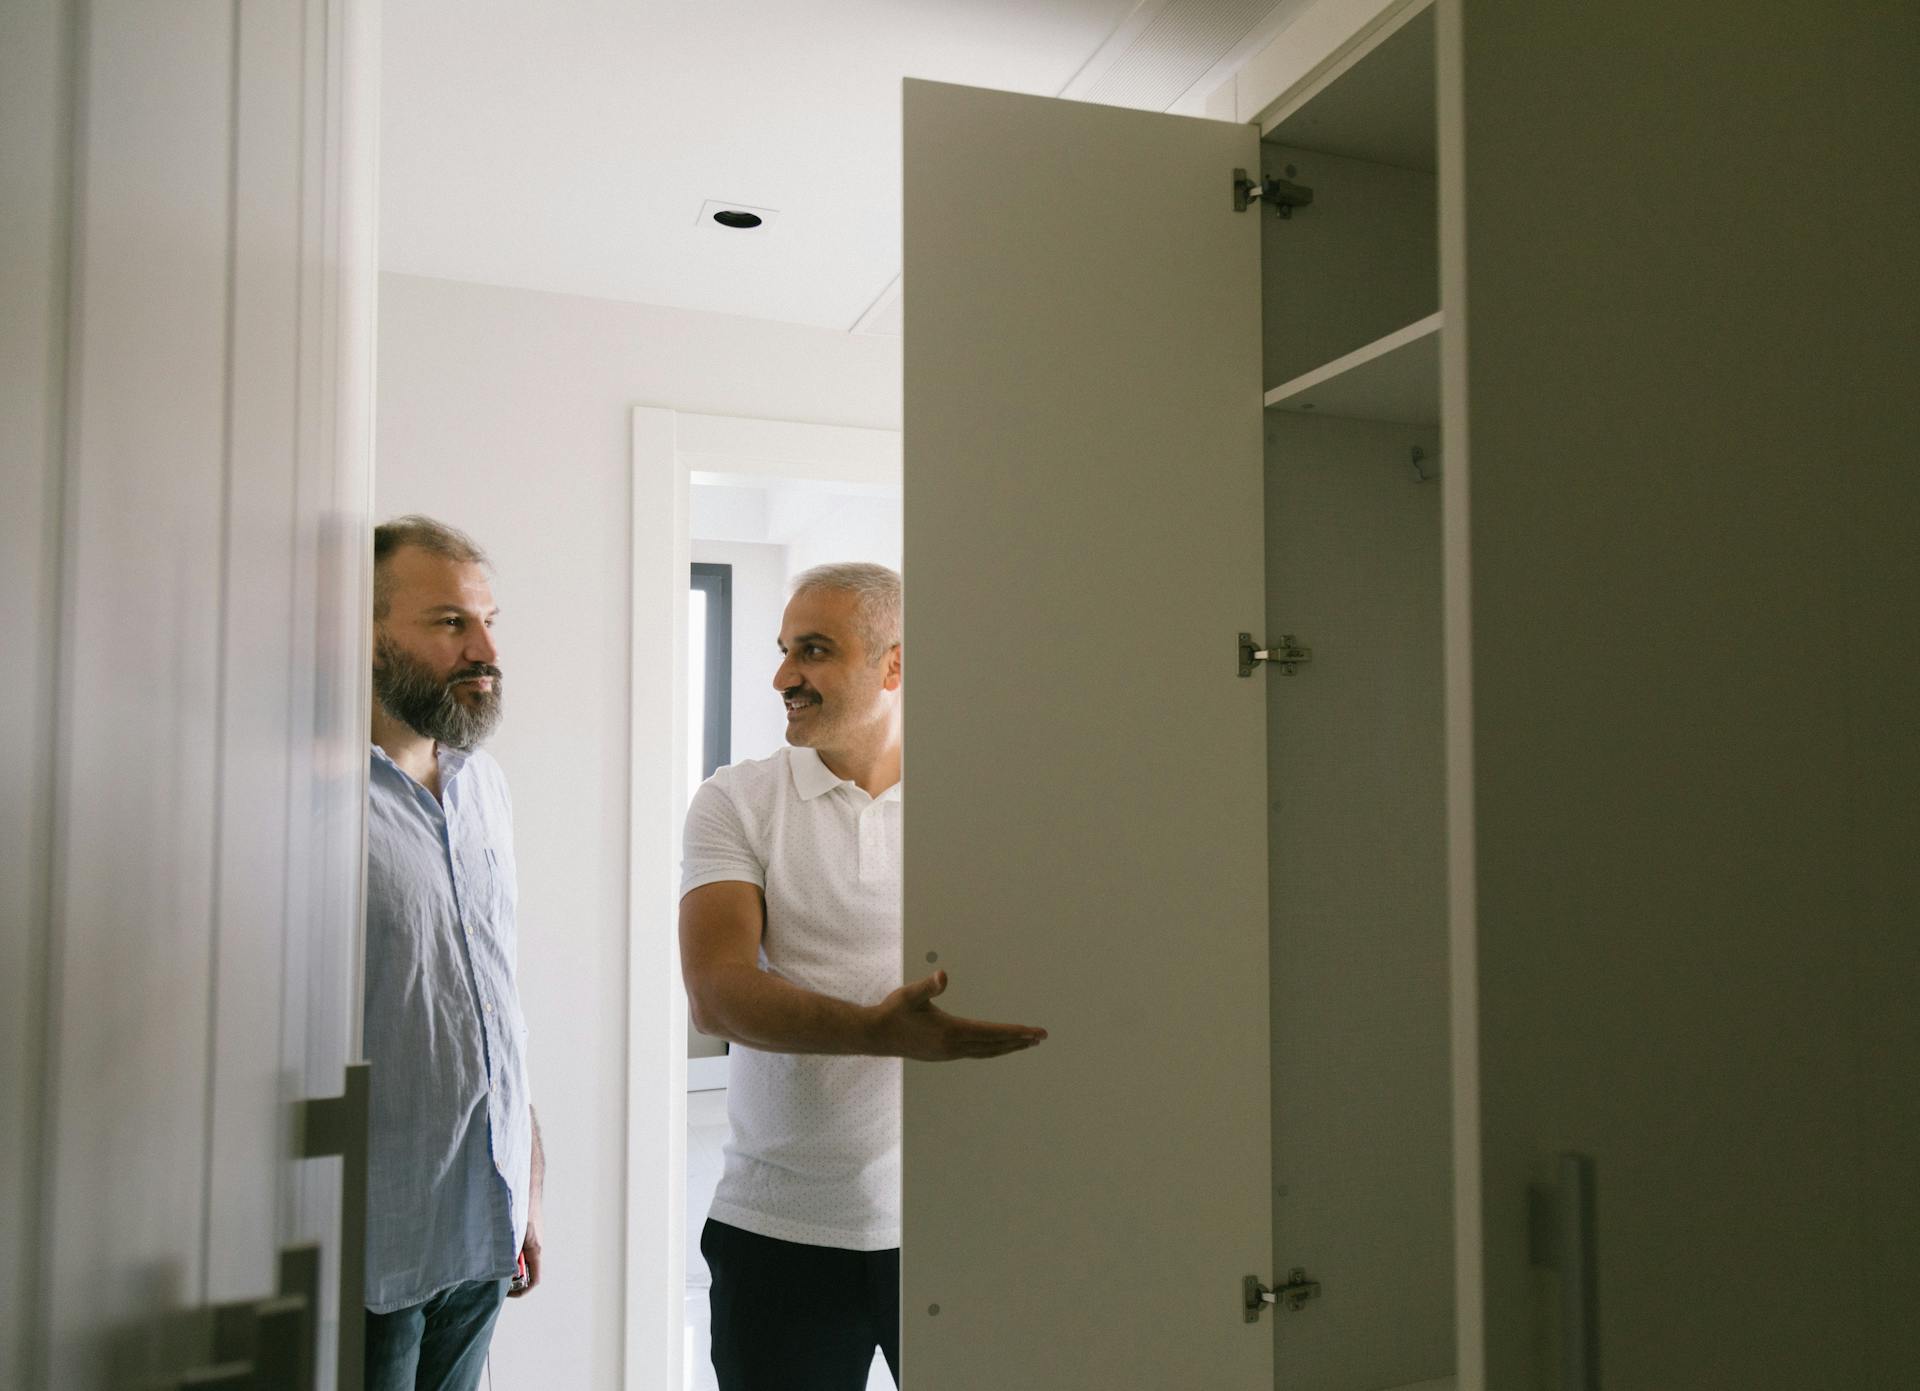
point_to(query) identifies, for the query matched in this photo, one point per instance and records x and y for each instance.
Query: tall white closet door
(204, 500)
(1685, 426)
(1086, 834)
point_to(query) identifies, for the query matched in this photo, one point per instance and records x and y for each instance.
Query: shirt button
(488, 1006)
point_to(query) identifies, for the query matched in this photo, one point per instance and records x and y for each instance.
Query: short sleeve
(717, 847)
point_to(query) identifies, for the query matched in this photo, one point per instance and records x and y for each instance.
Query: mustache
(477, 669)
(795, 692)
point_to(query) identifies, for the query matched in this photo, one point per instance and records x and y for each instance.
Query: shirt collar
(812, 778)
(452, 760)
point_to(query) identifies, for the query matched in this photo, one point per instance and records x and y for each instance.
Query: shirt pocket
(503, 890)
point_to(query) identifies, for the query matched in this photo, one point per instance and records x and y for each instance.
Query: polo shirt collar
(812, 778)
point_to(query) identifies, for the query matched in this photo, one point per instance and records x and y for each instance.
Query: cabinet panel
(1355, 266)
(260, 710)
(1086, 832)
(1362, 1134)
(209, 723)
(35, 112)
(1360, 262)
(134, 848)
(1684, 438)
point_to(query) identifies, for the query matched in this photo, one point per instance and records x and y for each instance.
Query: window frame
(717, 682)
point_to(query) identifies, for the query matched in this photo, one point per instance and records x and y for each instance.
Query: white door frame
(671, 451)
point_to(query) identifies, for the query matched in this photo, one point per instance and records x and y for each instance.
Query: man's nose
(480, 646)
(785, 675)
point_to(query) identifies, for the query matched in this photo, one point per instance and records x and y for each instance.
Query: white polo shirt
(815, 1153)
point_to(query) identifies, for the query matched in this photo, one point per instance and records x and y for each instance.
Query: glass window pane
(696, 688)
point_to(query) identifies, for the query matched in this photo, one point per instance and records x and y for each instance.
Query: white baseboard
(707, 1074)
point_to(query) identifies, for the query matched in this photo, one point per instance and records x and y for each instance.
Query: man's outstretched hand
(909, 1025)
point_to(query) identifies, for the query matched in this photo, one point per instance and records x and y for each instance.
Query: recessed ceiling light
(735, 217)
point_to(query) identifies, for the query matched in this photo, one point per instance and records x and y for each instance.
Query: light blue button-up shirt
(451, 1131)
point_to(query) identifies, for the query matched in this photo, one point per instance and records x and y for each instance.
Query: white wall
(827, 527)
(508, 412)
(722, 512)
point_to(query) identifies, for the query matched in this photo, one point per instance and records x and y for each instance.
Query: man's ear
(896, 667)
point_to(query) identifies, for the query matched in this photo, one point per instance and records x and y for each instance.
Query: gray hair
(436, 538)
(879, 597)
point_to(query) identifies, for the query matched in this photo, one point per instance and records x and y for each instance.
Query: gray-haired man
(453, 1198)
(790, 943)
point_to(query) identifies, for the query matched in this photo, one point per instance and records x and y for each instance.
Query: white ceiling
(568, 145)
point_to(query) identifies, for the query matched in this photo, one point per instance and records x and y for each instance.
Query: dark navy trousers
(791, 1317)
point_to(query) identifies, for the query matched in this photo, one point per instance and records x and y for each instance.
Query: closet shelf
(1395, 379)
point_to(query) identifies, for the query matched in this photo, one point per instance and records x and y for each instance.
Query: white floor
(706, 1135)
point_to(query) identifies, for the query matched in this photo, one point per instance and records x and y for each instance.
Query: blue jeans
(440, 1345)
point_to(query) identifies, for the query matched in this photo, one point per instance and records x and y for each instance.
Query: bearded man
(453, 1195)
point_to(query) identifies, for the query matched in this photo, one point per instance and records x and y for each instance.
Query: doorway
(751, 503)
(747, 542)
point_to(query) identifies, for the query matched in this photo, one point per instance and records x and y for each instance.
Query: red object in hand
(520, 1271)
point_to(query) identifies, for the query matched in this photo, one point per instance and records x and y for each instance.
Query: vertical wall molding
(38, 40)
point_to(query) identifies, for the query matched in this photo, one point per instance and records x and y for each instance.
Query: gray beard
(430, 706)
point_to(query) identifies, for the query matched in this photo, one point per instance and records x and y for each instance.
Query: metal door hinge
(1287, 654)
(1255, 1297)
(1282, 195)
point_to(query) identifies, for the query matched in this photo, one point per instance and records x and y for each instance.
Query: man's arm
(732, 998)
(530, 1247)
